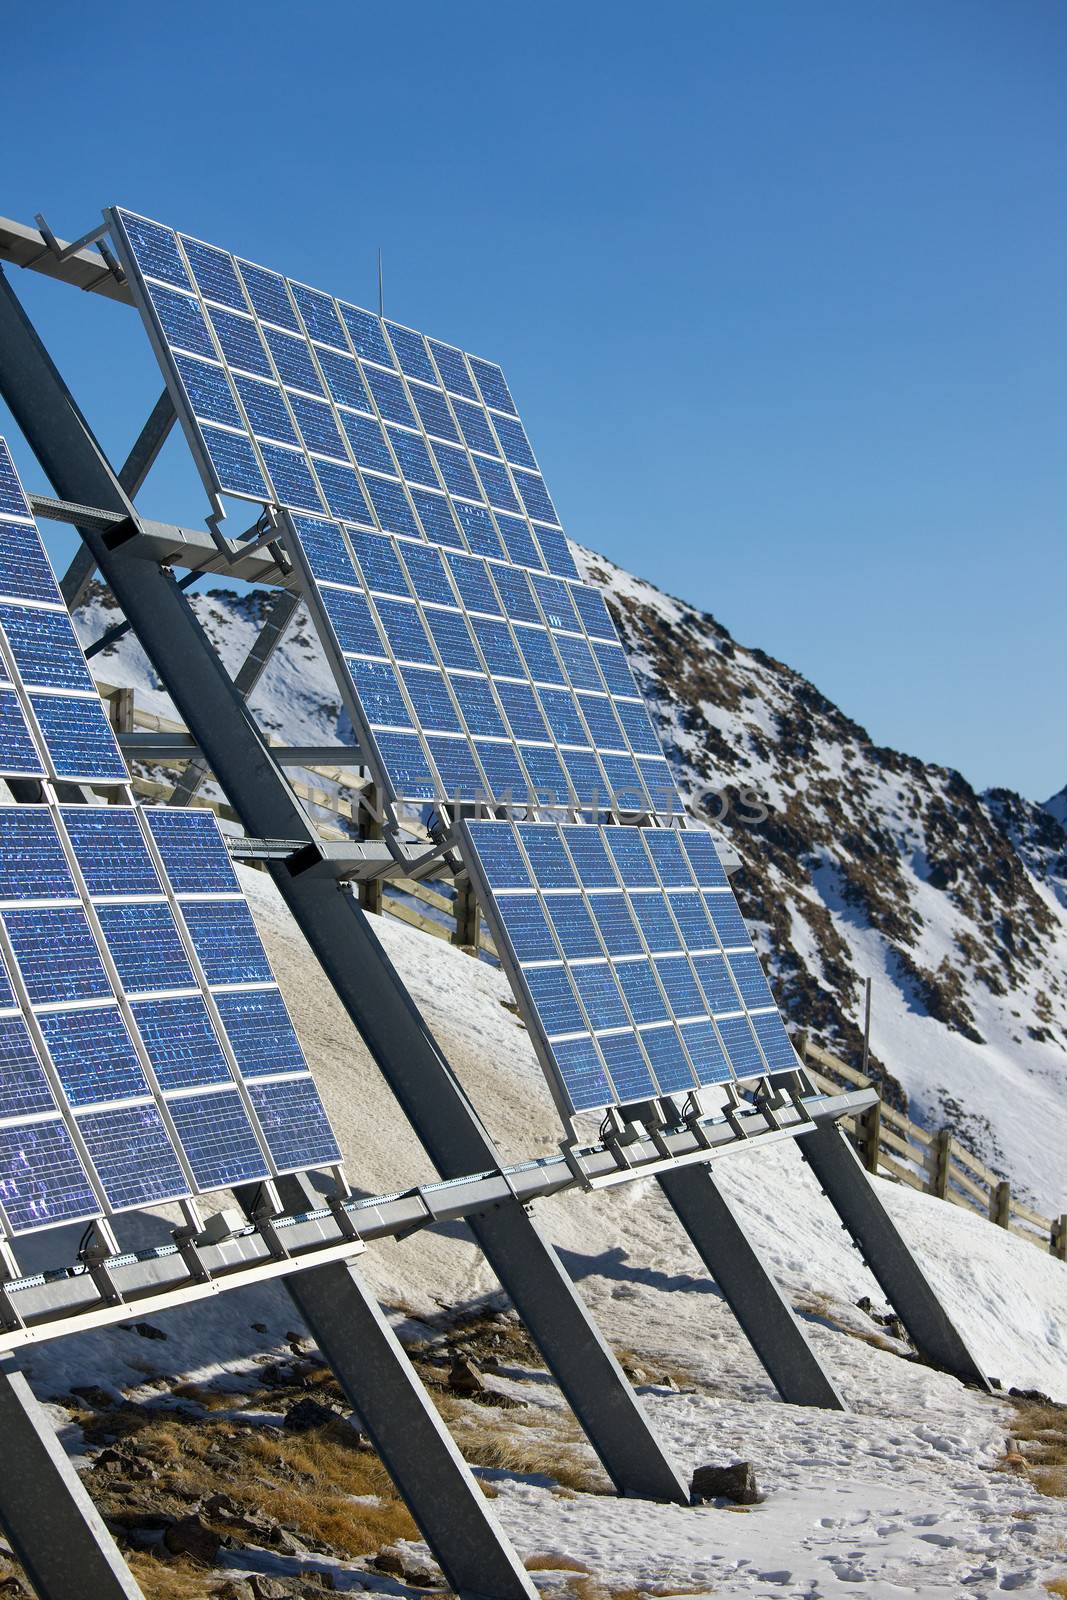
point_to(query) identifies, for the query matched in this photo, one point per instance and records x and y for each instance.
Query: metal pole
(53, 1527)
(866, 1025)
(765, 1316)
(856, 1200)
(335, 927)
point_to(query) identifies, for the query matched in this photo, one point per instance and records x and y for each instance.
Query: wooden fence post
(869, 1131)
(468, 915)
(940, 1160)
(120, 705)
(1058, 1243)
(1000, 1205)
(372, 890)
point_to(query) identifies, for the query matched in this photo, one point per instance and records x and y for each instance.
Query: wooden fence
(889, 1143)
(937, 1163)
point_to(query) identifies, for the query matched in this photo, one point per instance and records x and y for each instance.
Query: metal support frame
(53, 1527)
(853, 1195)
(336, 928)
(135, 469)
(402, 1422)
(765, 1316)
(280, 612)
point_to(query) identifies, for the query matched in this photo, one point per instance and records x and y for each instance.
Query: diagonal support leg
(855, 1198)
(453, 1515)
(336, 929)
(135, 469)
(766, 1317)
(53, 1526)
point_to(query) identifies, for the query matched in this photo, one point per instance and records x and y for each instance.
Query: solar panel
(421, 444)
(145, 1050)
(620, 972)
(52, 722)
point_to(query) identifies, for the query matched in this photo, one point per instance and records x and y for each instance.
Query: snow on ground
(897, 1497)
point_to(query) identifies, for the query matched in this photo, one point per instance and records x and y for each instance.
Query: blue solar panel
(728, 921)
(193, 850)
(292, 358)
(750, 979)
(235, 464)
(79, 738)
(325, 550)
(431, 700)
(19, 756)
(645, 1013)
(32, 863)
(218, 1139)
(453, 369)
(379, 563)
(411, 353)
(209, 392)
(111, 850)
(134, 1159)
(25, 571)
(94, 1055)
(56, 954)
(45, 647)
(628, 1067)
(353, 626)
(146, 947)
(181, 1041)
(226, 941)
(294, 1124)
(479, 708)
(599, 991)
(215, 274)
(260, 1033)
(554, 1000)
(42, 1180)
(24, 1089)
(421, 417)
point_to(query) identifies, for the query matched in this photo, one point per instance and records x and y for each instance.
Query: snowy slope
(866, 863)
(899, 1496)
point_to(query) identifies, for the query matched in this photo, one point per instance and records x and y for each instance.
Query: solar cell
(93, 1055)
(218, 1139)
(294, 1124)
(133, 1156)
(42, 1179)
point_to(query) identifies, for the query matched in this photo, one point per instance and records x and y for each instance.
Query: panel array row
(146, 1053)
(637, 974)
(52, 722)
(474, 678)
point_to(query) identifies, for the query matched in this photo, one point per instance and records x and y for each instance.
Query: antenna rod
(866, 1025)
(381, 290)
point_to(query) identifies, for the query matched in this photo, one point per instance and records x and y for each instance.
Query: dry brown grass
(548, 1444)
(1038, 1445)
(304, 1482)
(1057, 1586)
(171, 1580)
(655, 1370)
(549, 1562)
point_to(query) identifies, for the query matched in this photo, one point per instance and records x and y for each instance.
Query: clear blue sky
(779, 286)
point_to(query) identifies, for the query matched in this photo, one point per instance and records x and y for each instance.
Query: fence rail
(887, 1140)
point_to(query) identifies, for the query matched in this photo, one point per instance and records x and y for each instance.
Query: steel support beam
(766, 1317)
(336, 928)
(401, 1420)
(135, 469)
(855, 1198)
(51, 1523)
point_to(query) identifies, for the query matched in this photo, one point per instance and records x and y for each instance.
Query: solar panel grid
(52, 723)
(465, 417)
(143, 1007)
(589, 923)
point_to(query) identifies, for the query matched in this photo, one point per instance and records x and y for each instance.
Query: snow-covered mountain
(857, 861)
